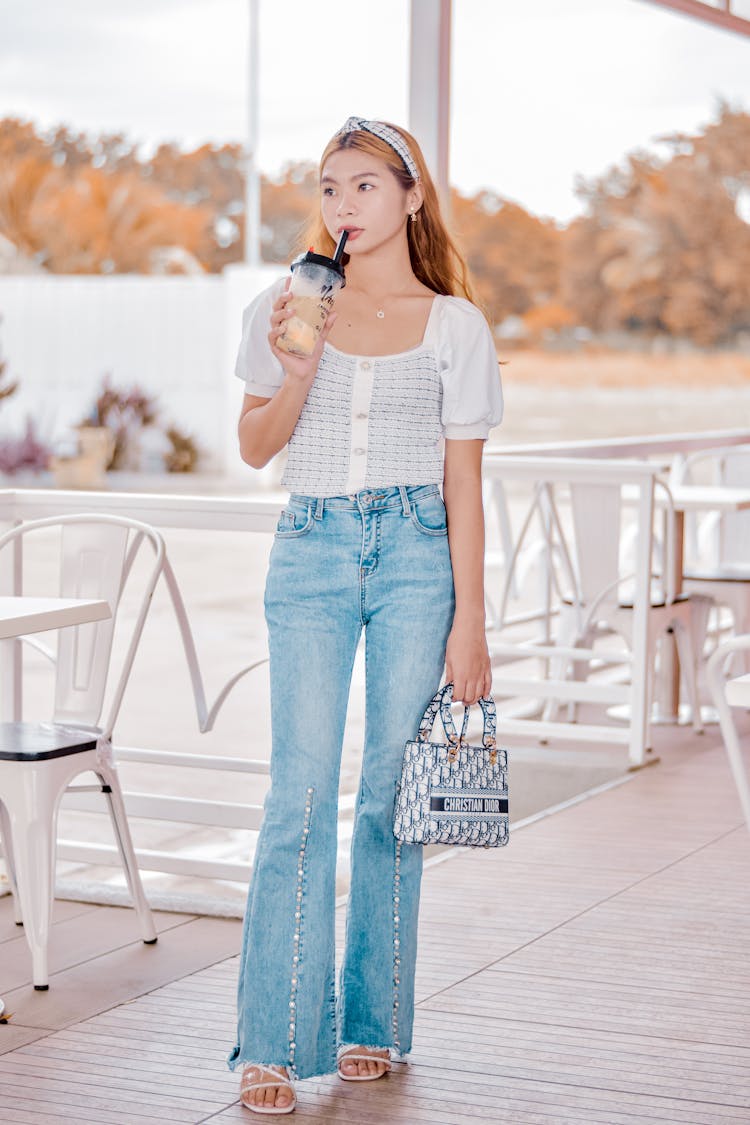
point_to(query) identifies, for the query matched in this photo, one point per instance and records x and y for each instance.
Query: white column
(244, 280)
(252, 174)
(429, 85)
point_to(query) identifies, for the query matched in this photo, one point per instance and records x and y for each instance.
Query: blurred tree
(79, 205)
(665, 244)
(94, 222)
(209, 177)
(547, 320)
(286, 203)
(21, 180)
(514, 257)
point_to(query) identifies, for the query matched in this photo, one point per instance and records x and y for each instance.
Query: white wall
(176, 337)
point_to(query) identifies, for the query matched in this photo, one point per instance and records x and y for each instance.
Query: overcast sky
(541, 90)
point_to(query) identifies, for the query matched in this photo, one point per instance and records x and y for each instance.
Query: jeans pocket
(429, 516)
(294, 522)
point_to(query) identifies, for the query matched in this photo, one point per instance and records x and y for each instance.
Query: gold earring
(413, 215)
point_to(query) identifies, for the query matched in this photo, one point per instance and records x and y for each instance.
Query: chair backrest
(720, 540)
(596, 512)
(734, 527)
(584, 548)
(97, 553)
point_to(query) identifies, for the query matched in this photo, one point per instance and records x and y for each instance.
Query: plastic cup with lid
(316, 279)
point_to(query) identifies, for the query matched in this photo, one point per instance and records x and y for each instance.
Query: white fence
(175, 337)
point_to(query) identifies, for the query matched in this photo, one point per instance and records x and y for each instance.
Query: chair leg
(31, 801)
(686, 655)
(579, 672)
(717, 687)
(559, 666)
(641, 689)
(700, 612)
(742, 626)
(736, 762)
(6, 836)
(116, 806)
(653, 650)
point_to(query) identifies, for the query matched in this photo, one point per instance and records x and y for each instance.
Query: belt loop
(318, 513)
(404, 500)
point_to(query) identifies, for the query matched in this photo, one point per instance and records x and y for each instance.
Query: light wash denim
(379, 560)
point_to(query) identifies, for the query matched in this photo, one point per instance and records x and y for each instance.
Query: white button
(360, 450)
(365, 365)
(362, 414)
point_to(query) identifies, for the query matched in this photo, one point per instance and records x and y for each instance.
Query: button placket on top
(360, 420)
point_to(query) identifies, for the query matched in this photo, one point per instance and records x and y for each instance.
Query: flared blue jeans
(377, 560)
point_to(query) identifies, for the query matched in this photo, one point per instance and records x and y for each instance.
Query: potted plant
(125, 424)
(124, 414)
(26, 454)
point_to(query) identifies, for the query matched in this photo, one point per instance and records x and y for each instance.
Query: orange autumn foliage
(513, 255)
(665, 244)
(662, 246)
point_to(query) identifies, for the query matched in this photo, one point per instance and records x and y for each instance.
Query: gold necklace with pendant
(379, 313)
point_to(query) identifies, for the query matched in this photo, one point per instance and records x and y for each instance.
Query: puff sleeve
(472, 391)
(256, 364)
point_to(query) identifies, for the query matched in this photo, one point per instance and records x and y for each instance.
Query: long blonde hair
(435, 258)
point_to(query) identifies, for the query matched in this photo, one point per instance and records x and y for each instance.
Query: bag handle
(441, 701)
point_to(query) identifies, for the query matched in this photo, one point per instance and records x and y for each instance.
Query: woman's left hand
(467, 663)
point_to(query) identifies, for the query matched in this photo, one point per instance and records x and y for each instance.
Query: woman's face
(359, 193)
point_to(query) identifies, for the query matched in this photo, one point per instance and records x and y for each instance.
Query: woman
(396, 400)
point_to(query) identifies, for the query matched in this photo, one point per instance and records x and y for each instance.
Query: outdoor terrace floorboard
(594, 971)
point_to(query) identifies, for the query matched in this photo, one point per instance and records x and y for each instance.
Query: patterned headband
(385, 133)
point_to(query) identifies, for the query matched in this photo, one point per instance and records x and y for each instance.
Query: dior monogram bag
(451, 792)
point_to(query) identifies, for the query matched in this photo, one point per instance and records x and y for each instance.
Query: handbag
(451, 792)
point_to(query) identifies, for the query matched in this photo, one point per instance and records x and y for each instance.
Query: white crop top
(378, 421)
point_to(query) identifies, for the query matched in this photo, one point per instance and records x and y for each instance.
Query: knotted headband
(387, 134)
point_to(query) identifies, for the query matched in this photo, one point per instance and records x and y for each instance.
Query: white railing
(641, 445)
(257, 515)
(254, 515)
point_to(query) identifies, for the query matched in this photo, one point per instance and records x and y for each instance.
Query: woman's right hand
(299, 367)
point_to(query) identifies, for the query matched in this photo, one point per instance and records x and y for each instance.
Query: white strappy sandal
(354, 1054)
(279, 1079)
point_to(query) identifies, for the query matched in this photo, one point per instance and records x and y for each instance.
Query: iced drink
(316, 280)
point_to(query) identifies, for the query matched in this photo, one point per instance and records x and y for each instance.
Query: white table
(692, 498)
(716, 497)
(701, 498)
(21, 614)
(686, 498)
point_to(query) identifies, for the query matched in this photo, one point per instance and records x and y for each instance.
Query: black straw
(340, 248)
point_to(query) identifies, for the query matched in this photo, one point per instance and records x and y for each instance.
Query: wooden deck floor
(596, 970)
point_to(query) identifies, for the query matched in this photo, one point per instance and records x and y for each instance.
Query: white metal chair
(39, 760)
(528, 565)
(600, 598)
(593, 595)
(726, 694)
(718, 558)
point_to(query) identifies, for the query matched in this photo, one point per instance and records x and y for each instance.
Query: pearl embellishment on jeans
(396, 944)
(297, 932)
